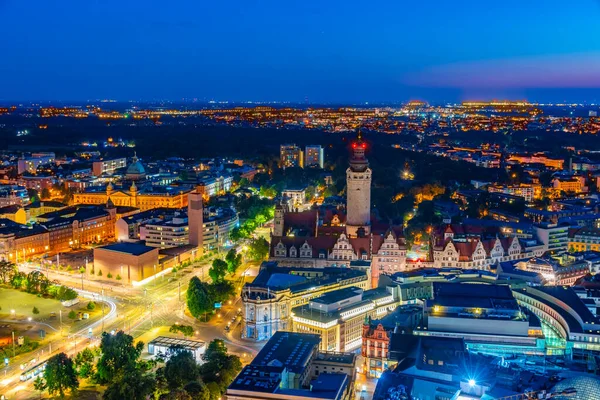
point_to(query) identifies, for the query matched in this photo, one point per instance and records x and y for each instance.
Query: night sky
(288, 50)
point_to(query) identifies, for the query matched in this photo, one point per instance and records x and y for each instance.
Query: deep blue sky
(288, 50)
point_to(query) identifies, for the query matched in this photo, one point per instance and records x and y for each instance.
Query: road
(137, 311)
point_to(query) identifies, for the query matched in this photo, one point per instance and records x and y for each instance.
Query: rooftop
(134, 249)
(171, 342)
(290, 349)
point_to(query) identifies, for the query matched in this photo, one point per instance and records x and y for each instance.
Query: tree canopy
(60, 376)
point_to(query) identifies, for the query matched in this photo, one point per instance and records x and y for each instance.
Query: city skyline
(540, 51)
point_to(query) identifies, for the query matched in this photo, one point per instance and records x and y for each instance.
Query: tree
(219, 292)
(220, 368)
(62, 293)
(330, 191)
(84, 362)
(218, 270)
(33, 195)
(258, 249)
(7, 270)
(244, 182)
(72, 314)
(100, 272)
(39, 384)
(215, 347)
(119, 354)
(233, 260)
(185, 330)
(133, 384)
(91, 306)
(198, 299)
(35, 310)
(18, 280)
(60, 375)
(197, 390)
(109, 275)
(45, 194)
(180, 369)
(37, 283)
(177, 394)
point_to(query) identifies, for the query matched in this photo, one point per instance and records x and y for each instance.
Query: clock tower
(358, 191)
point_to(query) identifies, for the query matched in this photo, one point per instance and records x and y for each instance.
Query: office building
(554, 237)
(268, 301)
(291, 367)
(13, 194)
(315, 156)
(80, 225)
(338, 316)
(291, 156)
(487, 317)
(20, 242)
(166, 234)
(31, 164)
(108, 167)
(214, 184)
(295, 198)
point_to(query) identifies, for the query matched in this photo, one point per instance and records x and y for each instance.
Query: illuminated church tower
(358, 191)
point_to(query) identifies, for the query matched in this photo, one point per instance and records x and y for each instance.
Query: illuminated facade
(268, 301)
(315, 156)
(108, 166)
(144, 199)
(584, 239)
(338, 316)
(20, 242)
(291, 156)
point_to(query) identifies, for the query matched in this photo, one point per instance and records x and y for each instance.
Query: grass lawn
(23, 303)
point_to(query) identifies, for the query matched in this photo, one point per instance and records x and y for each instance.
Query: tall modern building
(291, 156)
(315, 156)
(195, 219)
(358, 182)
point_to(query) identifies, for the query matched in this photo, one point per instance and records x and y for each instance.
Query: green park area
(27, 314)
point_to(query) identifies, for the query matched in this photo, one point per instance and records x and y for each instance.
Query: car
(227, 328)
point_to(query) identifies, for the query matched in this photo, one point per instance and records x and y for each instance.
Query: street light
(472, 382)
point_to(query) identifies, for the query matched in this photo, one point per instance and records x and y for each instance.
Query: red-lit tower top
(358, 161)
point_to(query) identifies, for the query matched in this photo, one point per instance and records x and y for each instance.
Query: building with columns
(268, 301)
(136, 192)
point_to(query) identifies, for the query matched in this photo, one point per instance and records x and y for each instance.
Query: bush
(62, 293)
(91, 305)
(35, 310)
(72, 314)
(109, 275)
